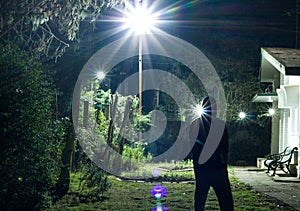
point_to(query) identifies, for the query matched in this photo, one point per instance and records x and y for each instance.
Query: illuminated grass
(124, 195)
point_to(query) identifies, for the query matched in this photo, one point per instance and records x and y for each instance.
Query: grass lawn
(128, 195)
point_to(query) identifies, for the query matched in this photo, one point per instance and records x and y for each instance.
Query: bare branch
(52, 34)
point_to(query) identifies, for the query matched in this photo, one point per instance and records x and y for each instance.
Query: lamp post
(140, 73)
(140, 21)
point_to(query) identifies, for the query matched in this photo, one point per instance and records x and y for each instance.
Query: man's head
(210, 106)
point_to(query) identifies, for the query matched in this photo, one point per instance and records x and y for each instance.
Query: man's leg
(221, 186)
(201, 191)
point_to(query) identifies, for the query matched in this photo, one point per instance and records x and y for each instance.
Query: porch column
(298, 167)
(276, 118)
(275, 131)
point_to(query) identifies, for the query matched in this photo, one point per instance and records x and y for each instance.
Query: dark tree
(30, 144)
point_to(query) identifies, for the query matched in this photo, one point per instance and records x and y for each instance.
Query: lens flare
(199, 110)
(242, 115)
(140, 20)
(100, 75)
(271, 111)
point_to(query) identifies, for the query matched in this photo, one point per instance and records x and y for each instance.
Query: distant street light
(242, 115)
(100, 75)
(271, 111)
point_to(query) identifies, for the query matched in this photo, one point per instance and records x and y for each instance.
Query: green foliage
(122, 116)
(46, 27)
(136, 152)
(102, 98)
(93, 181)
(176, 165)
(117, 115)
(176, 176)
(184, 164)
(30, 140)
(239, 96)
(134, 156)
(142, 122)
(103, 123)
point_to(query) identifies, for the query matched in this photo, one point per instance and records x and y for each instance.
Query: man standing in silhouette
(213, 171)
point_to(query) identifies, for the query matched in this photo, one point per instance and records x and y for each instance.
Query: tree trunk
(110, 132)
(124, 124)
(63, 183)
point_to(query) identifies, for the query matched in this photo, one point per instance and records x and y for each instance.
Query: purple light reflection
(159, 191)
(163, 208)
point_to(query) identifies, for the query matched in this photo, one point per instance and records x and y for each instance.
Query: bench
(281, 160)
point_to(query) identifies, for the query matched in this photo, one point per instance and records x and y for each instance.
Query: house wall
(275, 64)
(298, 127)
(289, 124)
(293, 119)
(283, 131)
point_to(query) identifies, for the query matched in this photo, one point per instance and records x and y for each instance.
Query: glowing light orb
(140, 20)
(100, 75)
(161, 208)
(199, 110)
(271, 111)
(159, 191)
(242, 115)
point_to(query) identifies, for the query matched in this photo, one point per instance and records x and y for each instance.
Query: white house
(281, 67)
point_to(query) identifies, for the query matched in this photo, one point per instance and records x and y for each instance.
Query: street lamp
(100, 75)
(242, 115)
(271, 111)
(140, 21)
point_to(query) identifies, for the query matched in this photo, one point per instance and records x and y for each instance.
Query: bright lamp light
(271, 111)
(100, 75)
(199, 110)
(242, 115)
(140, 20)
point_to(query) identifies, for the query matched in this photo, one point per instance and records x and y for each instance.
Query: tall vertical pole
(140, 79)
(140, 73)
(86, 114)
(297, 21)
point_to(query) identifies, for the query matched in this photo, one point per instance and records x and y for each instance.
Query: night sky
(229, 32)
(233, 26)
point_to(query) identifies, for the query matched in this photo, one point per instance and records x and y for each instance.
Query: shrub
(93, 182)
(29, 150)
